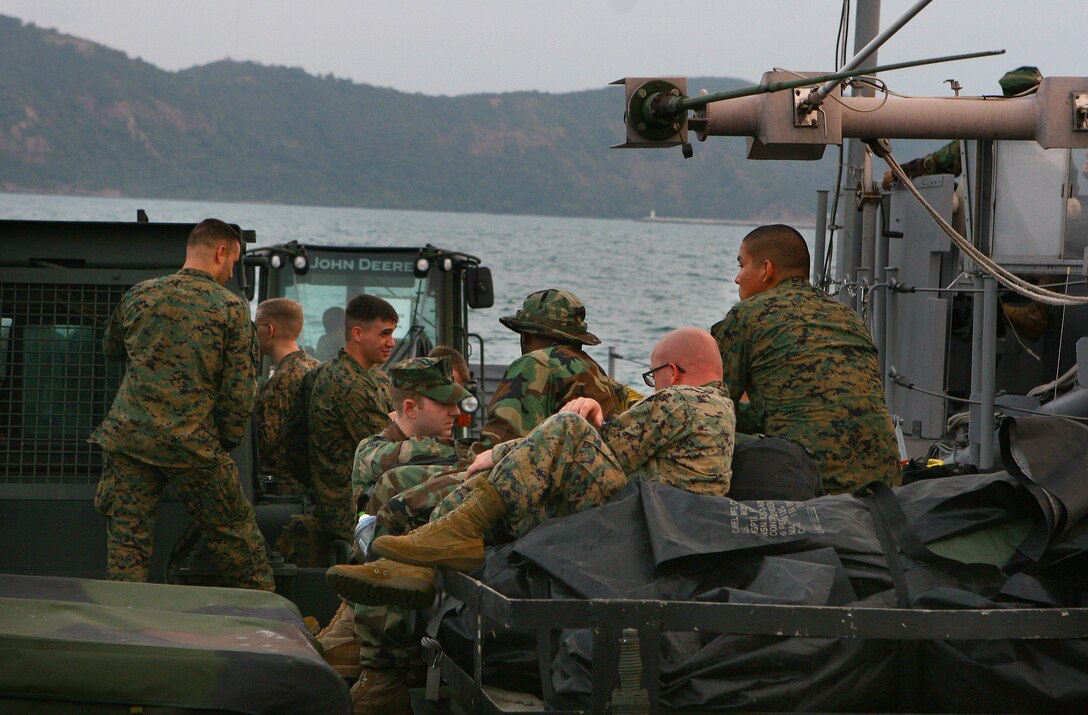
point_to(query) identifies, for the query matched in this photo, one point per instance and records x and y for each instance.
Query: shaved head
(692, 349)
(782, 245)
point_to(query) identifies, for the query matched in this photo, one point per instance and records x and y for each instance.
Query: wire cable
(1003, 276)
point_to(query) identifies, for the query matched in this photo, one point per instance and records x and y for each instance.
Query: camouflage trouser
(304, 542)
(129, 492)
(384, 633)
(385, 637)
(400, 510)
(562, 467)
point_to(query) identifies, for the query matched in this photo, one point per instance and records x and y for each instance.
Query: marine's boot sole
(406, 592)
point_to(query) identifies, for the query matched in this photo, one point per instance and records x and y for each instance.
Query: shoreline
(654, 218)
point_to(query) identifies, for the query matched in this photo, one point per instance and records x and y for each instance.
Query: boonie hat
(1019, 80)
(552, 313)
(430, 377)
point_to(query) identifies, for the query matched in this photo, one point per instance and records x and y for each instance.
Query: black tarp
(992, 541)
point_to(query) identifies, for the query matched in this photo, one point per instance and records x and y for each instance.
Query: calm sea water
(637, 279)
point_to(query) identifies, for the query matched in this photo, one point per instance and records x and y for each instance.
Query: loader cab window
(333, 278)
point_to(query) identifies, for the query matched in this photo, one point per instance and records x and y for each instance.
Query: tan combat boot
(383, 582)
(381, 692)
(456, 540)
(338, 642)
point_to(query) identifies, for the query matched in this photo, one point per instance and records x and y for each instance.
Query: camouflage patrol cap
(430, 377)
(1019, 80)
(552, 313)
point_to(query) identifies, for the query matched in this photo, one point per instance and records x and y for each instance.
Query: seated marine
(553, 370)
(681, 435)
(807, 364)
(376, 641)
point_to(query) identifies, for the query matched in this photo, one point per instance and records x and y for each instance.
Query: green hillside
(76, 117)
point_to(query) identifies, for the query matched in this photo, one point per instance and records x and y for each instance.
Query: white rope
(1003, 276)
(1067, 378)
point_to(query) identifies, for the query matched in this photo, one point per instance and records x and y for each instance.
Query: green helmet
(552, 313)
(430, 377)
(1019, 81)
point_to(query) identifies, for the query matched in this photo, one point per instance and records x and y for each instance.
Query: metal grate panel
(55, 382)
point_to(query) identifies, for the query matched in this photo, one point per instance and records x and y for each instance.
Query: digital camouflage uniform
(185, 401)
(812, 375)
(273, 404)
(681, 435)
(383, 632)
(346, 403)
(533, 388)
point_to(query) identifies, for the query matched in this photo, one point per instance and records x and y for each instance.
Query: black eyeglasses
(648, 376)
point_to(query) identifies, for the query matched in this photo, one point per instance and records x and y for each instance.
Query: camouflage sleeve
(370, 457)
(734, 342)
(522, 400)
(945, 160)
(296, 436)
(639, 433)
(238, 383)
(113, 345)
(270, 414)
(366, 412)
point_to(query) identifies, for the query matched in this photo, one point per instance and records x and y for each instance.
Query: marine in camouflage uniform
(346, 403)
(399, 462)
(273, 404)
(185, 401)
(812, 375)
(383, 633)
(681, 436)
(553, 371)
(345, 400)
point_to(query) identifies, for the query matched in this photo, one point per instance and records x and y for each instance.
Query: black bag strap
(539, 587)
(887, 543)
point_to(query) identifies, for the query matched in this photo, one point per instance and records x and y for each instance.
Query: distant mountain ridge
(80, 118)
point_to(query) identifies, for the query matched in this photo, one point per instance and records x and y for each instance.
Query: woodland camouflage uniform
(682, 436)
(533, 388)
(273, 404)
(383, 632)
(345, 404)
(812, 375)
(185, 401)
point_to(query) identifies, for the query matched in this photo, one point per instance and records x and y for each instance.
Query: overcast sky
(466, 46)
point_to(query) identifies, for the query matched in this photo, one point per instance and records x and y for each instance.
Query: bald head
(783, 246)
(692, 349)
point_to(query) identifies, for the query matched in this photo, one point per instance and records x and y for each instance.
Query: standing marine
(190, 357)
(279, 323)
(807, 364)
(344, 401)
